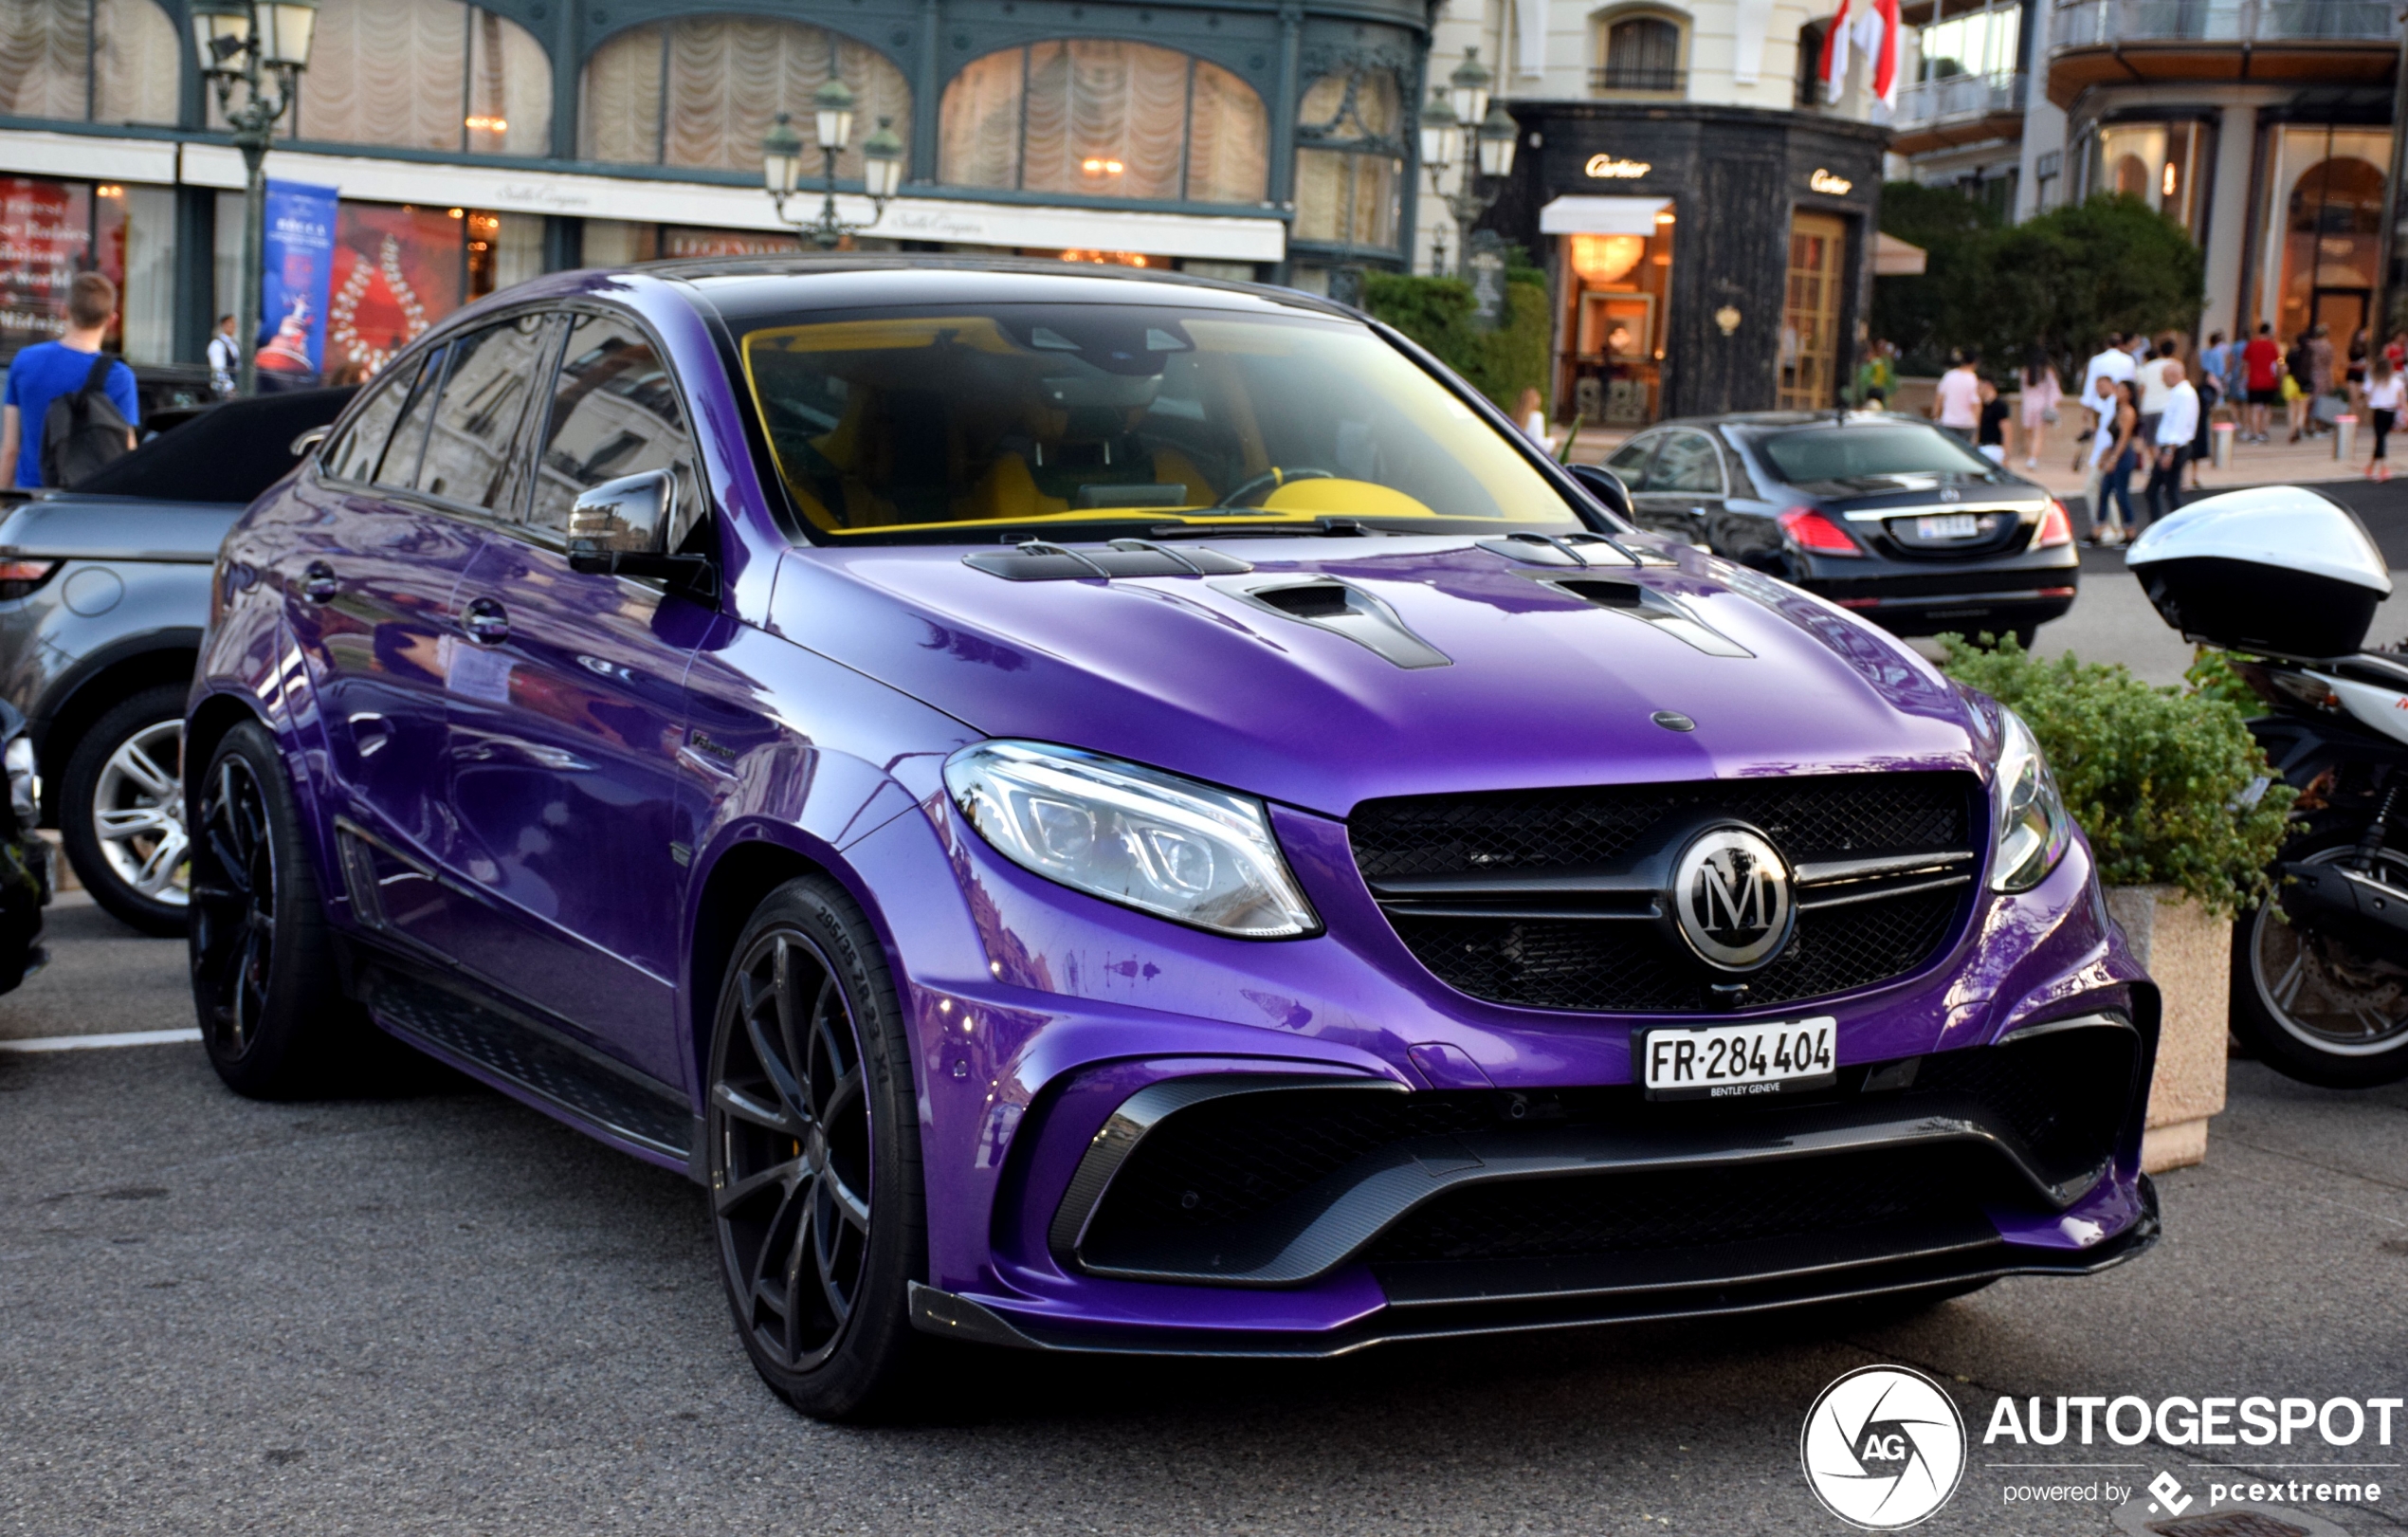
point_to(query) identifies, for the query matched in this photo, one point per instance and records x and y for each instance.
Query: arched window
(1107, 119)
(1350, 159)
(91, 61)
(1640, 53)
(422, 75)
(703, 90)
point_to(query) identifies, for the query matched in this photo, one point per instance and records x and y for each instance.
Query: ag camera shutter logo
(1883, 1447)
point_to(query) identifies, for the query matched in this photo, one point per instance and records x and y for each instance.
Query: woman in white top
(1533, 416)
(2386, 395)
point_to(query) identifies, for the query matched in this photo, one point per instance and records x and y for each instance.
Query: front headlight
(2033, 827)
(25, 784)
(1137, 836)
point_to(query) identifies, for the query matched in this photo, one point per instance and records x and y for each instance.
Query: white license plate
(1949, 525)
(1736, 1061)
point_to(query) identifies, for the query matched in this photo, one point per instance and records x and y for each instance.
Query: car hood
(72, 527)
(1481, 672)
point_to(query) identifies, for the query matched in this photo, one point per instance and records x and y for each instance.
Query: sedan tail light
(1811, 530)
(2057, 528)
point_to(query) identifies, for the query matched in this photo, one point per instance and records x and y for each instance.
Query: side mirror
(1606, 486)
(616, 529)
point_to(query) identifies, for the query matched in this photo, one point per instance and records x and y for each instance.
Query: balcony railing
(2090, 24)
(1616, 79)
(1952, 98)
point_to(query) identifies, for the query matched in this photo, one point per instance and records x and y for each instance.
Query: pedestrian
(1533, 417)
(2386, 396)
(225, 359)
(2123, 458)
(2397, 351)
(2354, 373)
(2262, 379)
(51, 371)
(2324, 376)
(2297, 373)
(1877, 377)
(2101, 406)
(2111, 362)
(1957, 404)
(2177, 425)
(2153, 382)
(2213, 360)
(1990, 431)
(2041, 396)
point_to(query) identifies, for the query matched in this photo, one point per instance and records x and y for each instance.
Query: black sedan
(1886, 515)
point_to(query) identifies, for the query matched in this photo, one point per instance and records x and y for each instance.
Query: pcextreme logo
(1883, 1448)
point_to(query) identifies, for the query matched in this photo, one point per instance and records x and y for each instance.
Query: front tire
(272, 1012)
(813, 1146)
(122, 811)
(2316, 1008)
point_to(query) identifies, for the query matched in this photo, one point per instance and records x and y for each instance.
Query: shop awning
(1602, 215)
(1895, 258)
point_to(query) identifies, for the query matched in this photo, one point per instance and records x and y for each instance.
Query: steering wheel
(1275, 476)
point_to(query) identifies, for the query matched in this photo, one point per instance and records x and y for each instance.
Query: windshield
(1847, 453)
(1053, 415)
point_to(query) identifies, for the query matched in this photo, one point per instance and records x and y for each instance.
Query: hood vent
(1038, 561)
(1588, 550)
(1666, 614)
(1342, 609)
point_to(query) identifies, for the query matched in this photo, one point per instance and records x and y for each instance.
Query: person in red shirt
(2262, 362)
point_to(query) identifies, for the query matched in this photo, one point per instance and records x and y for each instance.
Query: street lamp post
(1463, 126)
(832, 126)
(238, 42)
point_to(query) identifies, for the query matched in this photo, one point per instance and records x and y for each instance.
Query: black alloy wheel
(234, 931)
(272, 1012)
(813, 1149)
(2317, 1007)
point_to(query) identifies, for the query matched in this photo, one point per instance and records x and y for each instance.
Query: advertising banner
(297, 278)
(46, 232)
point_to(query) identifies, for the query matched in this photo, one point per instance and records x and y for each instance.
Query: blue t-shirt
(40, 375)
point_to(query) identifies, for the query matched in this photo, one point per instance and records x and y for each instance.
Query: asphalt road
(438, 1311)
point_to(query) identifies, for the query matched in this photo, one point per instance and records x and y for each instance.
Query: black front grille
(1605, 964)
(1661, 1209)
(1627, 966)
(1832, 816)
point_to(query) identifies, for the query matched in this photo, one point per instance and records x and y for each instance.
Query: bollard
(2221, 443)
(2346, 437)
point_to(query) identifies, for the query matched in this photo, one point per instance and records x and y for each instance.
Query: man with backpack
(70, 406)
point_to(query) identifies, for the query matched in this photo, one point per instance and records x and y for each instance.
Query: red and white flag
(1869, 28)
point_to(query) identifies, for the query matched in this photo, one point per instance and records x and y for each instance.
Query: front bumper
(1070, 1030)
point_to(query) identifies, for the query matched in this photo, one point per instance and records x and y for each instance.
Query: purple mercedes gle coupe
(1109, 812)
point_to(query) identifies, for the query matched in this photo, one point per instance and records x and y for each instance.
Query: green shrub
(1436, 312)
(2155, 776)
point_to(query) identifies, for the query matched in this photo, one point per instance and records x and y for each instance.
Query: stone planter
(2188, 953)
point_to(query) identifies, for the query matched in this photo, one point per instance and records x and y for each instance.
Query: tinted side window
(1630, 459)
(476, 418)
(363, 442)
(1688, 463)
(399, 466)
(615, 411)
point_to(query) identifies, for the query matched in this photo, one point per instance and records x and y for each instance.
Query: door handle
(319, 584)
(485, 621)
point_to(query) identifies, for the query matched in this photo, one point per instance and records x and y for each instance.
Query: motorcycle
(2285, 581)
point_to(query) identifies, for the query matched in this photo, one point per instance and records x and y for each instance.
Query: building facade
(473, 145)
(2263, 127)
(1704, 211)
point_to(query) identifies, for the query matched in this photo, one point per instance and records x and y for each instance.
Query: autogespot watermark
(1884, 1447)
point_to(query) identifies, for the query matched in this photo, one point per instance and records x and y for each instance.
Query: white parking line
(85, 1043)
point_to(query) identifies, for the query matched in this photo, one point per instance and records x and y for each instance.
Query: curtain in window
(136, 66)
(1347, 170)
(509, 88)
(129, 45)
(384, 72)
(727, 77)
(978, 124)
(1107, 119)
(1228, 139)
(42, 52)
